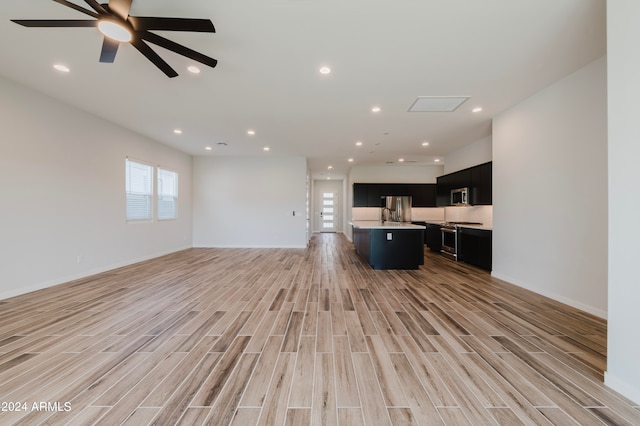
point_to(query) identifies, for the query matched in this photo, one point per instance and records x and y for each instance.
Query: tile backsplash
(427, 213)
(481, 214)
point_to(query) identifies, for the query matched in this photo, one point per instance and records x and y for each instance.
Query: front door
(328, 211)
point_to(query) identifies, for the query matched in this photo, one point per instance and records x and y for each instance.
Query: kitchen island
(389, 245)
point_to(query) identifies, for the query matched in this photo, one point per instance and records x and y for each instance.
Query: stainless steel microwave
(460, 197)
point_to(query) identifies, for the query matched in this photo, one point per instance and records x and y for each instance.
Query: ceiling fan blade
(109, 50)
(56, 22)
(76, 7)
(141, 23)
(120, 8)
(177, 48)
(153, 57)
(97, 7)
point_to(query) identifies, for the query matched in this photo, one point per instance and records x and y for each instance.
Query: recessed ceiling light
(401, 160)
(61, 68)
(251, 132)
(177, 131)
(358, 143)
(328, 177)
(437, 160)
(375, 109)
(330, 167)
(350, 160)
(266, 148)
(193, 69)
(425, 143)
(325, 70)
(476, 109)
(208, 148)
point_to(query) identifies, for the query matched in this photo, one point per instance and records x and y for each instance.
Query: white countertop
(376, 224)
(442, 222)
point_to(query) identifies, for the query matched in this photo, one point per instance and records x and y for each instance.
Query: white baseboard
(578, 305)
(83, 274)
(629, 391)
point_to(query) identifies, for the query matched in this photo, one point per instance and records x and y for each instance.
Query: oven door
(449, 241)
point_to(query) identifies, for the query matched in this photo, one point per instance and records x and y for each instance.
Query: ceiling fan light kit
(115, 23)
(114, 30)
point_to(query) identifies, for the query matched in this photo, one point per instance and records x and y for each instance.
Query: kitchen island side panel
(397, 249)
(361, 241)
(390, 249)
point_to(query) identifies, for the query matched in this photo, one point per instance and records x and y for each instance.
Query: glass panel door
(327, 212)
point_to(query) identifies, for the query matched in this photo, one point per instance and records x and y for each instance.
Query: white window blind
(139, 188)
(167, 194)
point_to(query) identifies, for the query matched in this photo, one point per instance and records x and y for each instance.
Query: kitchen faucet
(382, 213)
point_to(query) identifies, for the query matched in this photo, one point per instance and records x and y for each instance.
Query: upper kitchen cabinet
(449, 182)
(374, 193)
(477, 179)
(370, 194)
(481, 184)
(424, 195)
(360, 195)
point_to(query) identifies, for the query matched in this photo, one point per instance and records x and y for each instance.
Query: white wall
(249, 201)
(478, 152)
(395, 174)
(63, 181)
(623, 345)
(550, 191)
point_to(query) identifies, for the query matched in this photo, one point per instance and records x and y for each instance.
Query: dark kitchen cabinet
(374, 193)
(424, 195)
(370, 194)
(461, 179)
(447, 183)
(443, 190)
(390, 248)
(474, 247)
(478, 179)
(395, 189)
(433, 237)
(481, 184)
(360, 194)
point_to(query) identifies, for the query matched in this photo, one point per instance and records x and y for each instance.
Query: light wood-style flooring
(297, 337)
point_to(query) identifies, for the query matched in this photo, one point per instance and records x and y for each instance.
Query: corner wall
(63, 194)
(550, 191)
(623, 345)
(478, 152)
(249, 201)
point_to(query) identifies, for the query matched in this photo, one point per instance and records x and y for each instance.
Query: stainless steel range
(450, 241)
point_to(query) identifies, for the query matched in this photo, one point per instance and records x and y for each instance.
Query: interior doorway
(328, 206)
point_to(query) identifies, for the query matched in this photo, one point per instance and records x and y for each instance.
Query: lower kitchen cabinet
(433, 237)
(390, 248)
(474, 247)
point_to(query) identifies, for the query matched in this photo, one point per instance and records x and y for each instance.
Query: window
(167, 194)
(139, 188)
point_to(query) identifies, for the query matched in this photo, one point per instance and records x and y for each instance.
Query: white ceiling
(385, 53)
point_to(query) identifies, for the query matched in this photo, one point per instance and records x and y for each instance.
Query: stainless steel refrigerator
(396, 208)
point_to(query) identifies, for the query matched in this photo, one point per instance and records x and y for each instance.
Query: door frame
(325, 185)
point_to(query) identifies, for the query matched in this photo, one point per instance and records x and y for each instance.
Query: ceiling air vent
(437, 103)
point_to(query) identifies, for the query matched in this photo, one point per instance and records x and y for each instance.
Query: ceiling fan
(113, 20)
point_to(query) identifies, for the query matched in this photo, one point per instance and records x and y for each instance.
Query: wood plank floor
(296, 337)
